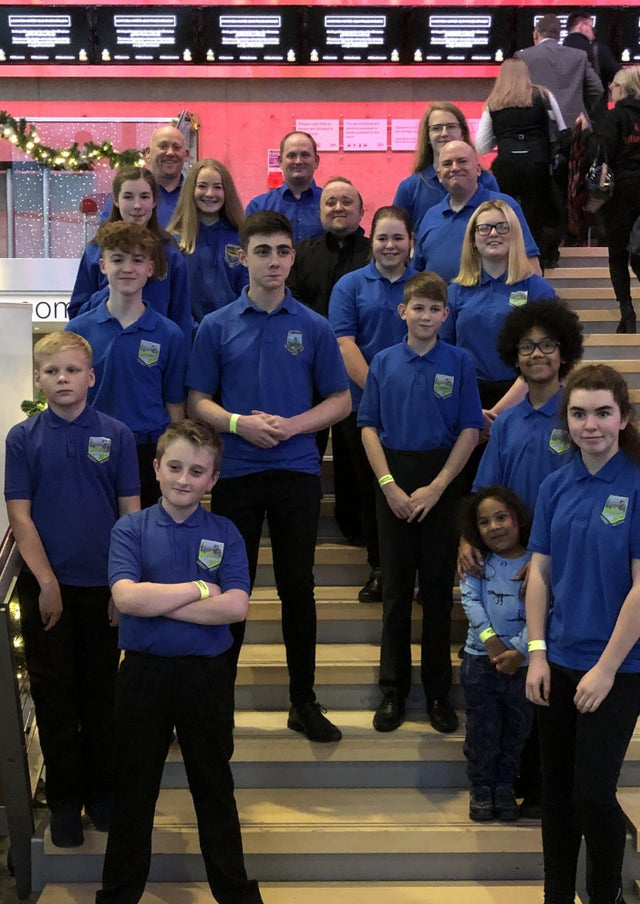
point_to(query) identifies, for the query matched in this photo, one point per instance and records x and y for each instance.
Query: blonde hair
(518, 264)
(513, 87)
(186, 220)
(629, 80)
(53, 343)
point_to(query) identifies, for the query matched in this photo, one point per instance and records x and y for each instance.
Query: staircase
(376, 818)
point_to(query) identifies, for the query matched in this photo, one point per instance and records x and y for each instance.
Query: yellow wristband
(486, 634)
(385, 479)
(534, 645)
(233, 423)
(203, 587)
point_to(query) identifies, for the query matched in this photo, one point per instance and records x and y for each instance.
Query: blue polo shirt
(166, 204)
(441, 231)
(590, 526)
(216, 276)
(525, 445)
(169, 296)
(364, 304)
(273, 362)
(303, 212)
(493, 601)
(151, 546)
(138, 369)
(477, 313)
(420, 402)
(73, 473)
(420, 191)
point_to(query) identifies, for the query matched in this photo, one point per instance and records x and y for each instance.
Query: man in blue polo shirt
(298, 198)
(438, 241)
(139, 355)
(263, 358)
(420, 416)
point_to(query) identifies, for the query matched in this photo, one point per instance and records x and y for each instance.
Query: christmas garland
(76, 158)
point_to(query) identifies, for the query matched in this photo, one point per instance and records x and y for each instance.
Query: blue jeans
(499, 718)
(582, 755)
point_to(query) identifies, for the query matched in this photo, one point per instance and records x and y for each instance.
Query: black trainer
(481, 803)
(308, 719)
(505, 804)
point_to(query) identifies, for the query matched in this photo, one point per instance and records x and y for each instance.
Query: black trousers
(428, 548)
(72, 670)
(154, 694)
(582, 755)
(290, 501)
(366, 487)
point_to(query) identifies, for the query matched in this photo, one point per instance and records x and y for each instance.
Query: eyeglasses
(528, 346)
(449, 126)
(502, 228)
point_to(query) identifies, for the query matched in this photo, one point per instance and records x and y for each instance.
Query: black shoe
(627, 324)
(372, 590)
(481, 804)
(531, 808)
(66, 826)
(99, 812)
(307, 718)
(442, 715)
(390, 714)
(505, 804)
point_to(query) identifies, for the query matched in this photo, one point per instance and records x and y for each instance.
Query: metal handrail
(14, 766)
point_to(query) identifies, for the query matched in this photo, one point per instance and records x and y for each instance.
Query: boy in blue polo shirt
(139, 355)
(179, 577)
(421, 415)
(70, 472)
(266, 359)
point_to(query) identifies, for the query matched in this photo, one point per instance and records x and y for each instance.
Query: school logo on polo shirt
(559, 441)
(615, 509)
(210, 553)
(148, 352)
(99, 448)
(518, 298)
(443, 385)
(294, 342)
(231, 258)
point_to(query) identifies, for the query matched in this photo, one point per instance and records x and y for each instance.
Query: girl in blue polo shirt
(363, 312)
(584, 671)
(206, 221)
(135, 194)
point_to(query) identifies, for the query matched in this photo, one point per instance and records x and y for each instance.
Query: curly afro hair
(554, 317)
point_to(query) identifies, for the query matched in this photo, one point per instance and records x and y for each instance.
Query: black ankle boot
(627, 318)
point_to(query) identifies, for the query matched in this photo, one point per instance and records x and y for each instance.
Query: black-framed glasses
(436, 129)
(502, 228)
(546, 346)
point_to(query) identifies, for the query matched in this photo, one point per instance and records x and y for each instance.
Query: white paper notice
(404, 134)
(365, 134)
(325, 131)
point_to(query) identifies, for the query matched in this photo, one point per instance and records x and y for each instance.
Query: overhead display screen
(162, 34)
(57, 34)
(239, 34)
(353, 35)
(461, 35)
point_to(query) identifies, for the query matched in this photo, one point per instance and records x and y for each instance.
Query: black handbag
(599, 181)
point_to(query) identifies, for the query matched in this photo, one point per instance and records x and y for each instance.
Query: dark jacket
(319, 264)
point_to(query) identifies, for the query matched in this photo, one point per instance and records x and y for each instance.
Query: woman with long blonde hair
(206, 222)
(519, 118)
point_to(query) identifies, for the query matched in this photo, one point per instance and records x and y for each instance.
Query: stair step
(294, 835)
(322, 893)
